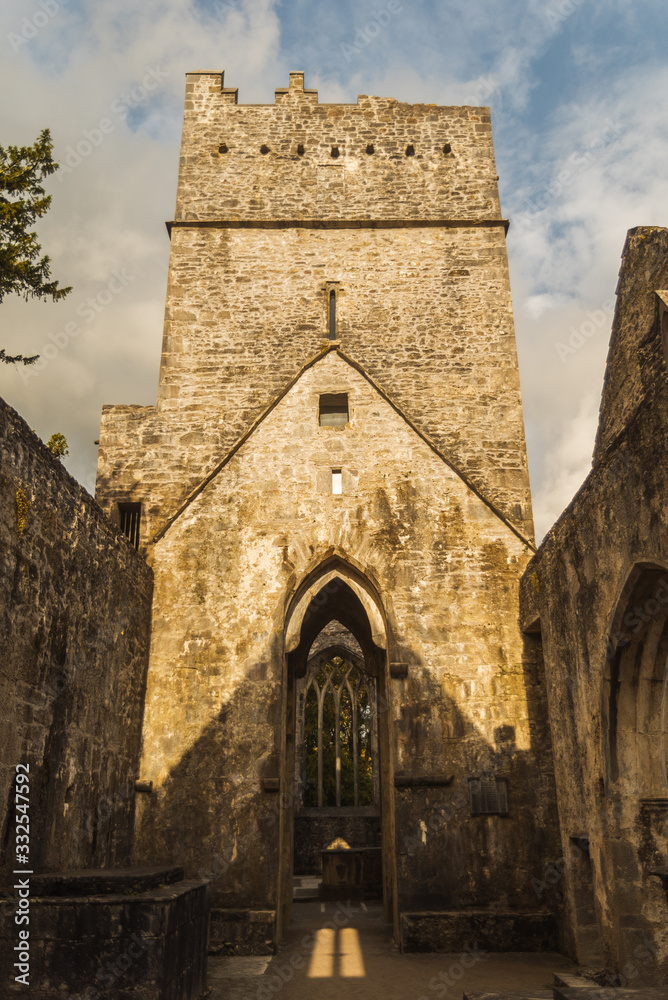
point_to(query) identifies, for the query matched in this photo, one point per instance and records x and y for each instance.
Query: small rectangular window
(489, 796)
(333, 410)
(130, 516)
(337, 485)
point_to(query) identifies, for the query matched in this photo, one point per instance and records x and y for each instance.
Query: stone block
(142, 943)
(492, 931)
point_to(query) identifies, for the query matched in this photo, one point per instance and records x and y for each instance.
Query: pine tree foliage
(23, 270)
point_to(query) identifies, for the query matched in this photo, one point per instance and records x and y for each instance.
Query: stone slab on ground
(571, 980)
(103, 881)
(508, 995)
(595, 992)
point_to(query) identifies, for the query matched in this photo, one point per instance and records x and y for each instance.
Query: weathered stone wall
(595, 591)
(423, 298)
(245, 183)
(446, 567)
(76, 606)
(435, 512)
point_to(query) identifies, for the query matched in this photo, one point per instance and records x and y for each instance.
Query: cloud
(597, 172)
(566, 464)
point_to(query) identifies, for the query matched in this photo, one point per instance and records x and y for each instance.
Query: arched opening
(635, 714)
(636, 684)
(336, 780)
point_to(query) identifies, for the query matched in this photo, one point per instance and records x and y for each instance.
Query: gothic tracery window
(338, 732)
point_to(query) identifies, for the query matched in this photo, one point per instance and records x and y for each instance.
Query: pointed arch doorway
(336, 767)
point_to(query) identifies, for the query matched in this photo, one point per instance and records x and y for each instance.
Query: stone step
(508, 995)
(570, 979)
(588, 991)
(595, 992)
(104, 881)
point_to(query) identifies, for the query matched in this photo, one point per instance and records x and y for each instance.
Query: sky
(577, 90)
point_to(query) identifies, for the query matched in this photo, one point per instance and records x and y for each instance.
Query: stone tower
(333, 493)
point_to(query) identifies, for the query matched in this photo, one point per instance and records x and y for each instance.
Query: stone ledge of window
(491, 812)
(656, 803)
(271, 784)
(422, 780)
(372, 811)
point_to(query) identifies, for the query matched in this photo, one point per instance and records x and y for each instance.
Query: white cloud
(566, 464)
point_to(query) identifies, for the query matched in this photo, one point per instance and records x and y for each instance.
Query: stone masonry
(414, 245)
(597, 594)
(395, 209)
(74, 631)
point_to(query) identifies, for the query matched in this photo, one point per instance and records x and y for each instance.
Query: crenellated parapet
(376, 160)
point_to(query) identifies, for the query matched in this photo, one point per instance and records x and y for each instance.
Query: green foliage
(57, 445)
(22, 201)
(12, 359)
(335, 669)
(22, 508)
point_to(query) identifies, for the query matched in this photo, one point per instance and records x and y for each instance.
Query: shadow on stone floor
(334, 950)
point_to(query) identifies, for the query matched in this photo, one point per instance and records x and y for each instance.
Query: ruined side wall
(74, 630)
(427, 312)
(573, 587)
(447, 570)
(632, 372)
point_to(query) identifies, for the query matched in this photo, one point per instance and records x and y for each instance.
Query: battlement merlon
(215, 84)
(375, 160)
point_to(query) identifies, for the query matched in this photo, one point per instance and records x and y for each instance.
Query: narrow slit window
(332, 315)
(130, 517)
(337, 486)
(333, 409)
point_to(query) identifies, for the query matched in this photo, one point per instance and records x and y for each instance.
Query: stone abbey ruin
(304, 630)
